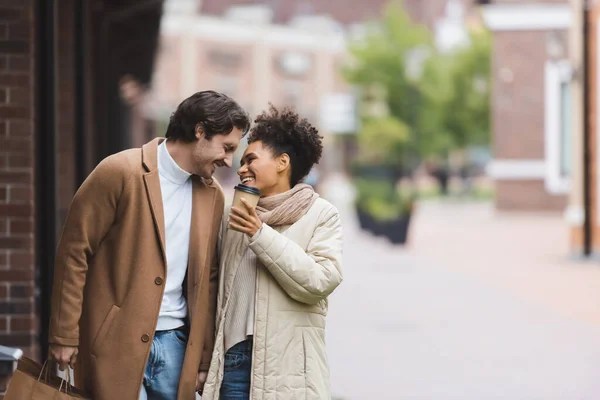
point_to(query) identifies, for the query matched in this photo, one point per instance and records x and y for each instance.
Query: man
(136, 270)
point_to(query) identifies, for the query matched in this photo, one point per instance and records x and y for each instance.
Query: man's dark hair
(216, 113)
(285, 132)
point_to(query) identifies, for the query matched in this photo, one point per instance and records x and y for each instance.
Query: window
(565, 129)
(558, 135)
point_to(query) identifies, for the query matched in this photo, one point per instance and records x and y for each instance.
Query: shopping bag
(32, 381)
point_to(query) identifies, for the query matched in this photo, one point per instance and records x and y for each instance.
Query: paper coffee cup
(251, 194)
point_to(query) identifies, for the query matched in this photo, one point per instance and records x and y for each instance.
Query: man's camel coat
(110, 275)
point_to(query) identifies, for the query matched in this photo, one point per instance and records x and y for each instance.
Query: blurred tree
(441, 101)
(415, 104)
(382, 140)
(464, 107)
(389, 57)
(436, 89)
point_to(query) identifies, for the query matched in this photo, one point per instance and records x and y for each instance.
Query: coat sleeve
(91, 214)
(213, 287)
(306, 276)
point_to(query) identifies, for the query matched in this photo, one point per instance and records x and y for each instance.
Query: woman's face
(262, 170)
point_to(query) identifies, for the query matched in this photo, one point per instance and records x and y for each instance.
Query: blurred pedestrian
(441, 172)
(136, 269)
(279, 263)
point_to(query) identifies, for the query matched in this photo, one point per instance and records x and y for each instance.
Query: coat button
(159, 281)
(145, 338)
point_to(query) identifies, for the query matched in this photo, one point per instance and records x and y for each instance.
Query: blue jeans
(161, 378)
(237, 372)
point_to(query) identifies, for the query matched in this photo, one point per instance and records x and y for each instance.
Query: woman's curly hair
(283, 131)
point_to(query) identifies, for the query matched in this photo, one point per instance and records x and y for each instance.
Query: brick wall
(287, 9)
(518, 96)
(17, 318)
(529, 1)
(16, 174)
(19, 322)
(423, 11)
(526, 195)
(518, 102)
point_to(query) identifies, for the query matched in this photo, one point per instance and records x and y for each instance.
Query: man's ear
(198, 132)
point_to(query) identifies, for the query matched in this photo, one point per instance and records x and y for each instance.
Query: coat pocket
(104, 328)
(316, 369)
(290, 368)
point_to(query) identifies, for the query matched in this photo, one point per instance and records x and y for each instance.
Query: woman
(279, 262)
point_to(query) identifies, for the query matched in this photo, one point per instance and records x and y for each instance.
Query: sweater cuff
(263, 240)
(257, 234)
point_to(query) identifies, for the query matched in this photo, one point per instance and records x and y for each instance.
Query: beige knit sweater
(239, 321)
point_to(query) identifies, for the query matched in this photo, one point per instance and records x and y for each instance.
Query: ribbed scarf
(288, 207)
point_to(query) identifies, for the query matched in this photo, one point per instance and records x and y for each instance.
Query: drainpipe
(587, 157)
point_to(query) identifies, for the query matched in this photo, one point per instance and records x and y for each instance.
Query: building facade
(61, 111)
(531, 104)
(290, 53)
(553, 163)
(244, 54)
(584, 198)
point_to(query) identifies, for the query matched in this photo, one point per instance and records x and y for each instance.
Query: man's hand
(64, 355)
(200, 380)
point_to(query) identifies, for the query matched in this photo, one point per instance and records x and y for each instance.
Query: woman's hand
(245, 221)
(200, 381)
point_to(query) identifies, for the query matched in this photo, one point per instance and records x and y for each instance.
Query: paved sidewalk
(523, 253)
(478, 306)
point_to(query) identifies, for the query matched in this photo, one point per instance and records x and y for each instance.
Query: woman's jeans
(161, 378)
(238, 369)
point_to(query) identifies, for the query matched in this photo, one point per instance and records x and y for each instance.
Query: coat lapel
(201, 231)
(152, 182)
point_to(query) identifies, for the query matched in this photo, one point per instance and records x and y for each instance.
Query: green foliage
(380, 56)
(445, 107)
(380, 59)
(383, 139)
(382, 199)
(463, 110)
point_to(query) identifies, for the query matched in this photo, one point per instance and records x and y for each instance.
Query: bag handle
(66, 382)
(46, 368)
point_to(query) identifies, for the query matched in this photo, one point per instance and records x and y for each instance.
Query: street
(478, 306)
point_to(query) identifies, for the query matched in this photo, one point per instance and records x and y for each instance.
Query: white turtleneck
(176, 190)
